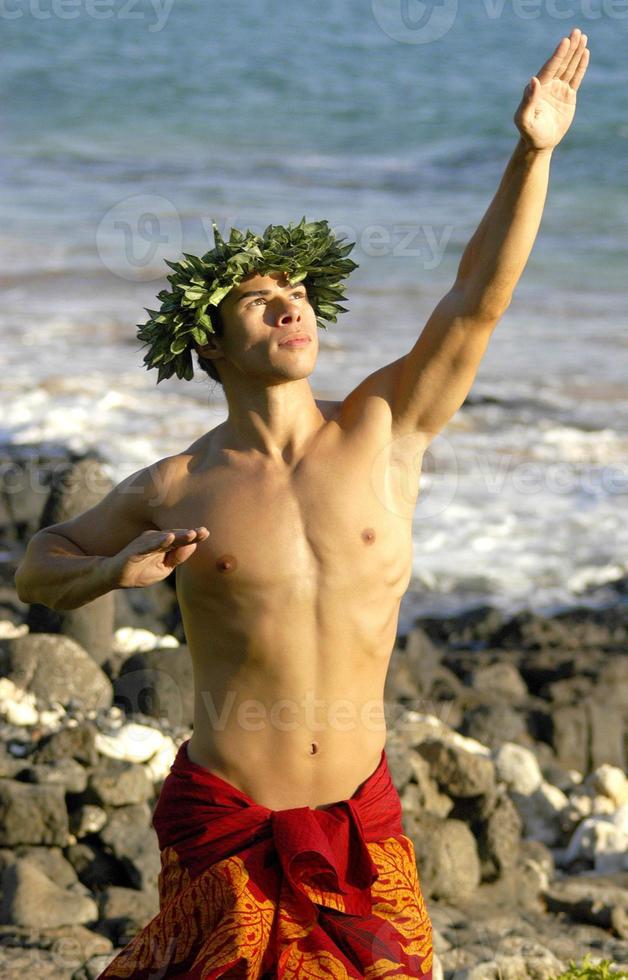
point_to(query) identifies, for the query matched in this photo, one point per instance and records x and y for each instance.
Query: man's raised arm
(428, 385)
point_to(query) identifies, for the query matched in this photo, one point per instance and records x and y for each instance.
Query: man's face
(259, 315)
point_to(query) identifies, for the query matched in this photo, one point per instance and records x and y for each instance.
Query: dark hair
(205, 363)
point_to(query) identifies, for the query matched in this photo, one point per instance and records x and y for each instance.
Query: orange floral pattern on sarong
(250, 917)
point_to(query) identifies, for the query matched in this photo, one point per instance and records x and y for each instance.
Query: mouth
(297, 340)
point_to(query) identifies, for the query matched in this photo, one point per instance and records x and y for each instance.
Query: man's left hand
(548, 105)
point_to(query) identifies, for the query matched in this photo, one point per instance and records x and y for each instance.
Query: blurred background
(127, 128)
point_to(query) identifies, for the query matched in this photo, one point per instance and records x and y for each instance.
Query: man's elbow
(20, 582)
(27, 591)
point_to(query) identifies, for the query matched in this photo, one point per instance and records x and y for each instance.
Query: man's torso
(290, 607)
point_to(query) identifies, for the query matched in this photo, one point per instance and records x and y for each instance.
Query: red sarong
(247, 892)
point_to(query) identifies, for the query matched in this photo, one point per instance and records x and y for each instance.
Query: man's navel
(226, 563)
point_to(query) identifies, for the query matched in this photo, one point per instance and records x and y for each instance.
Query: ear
(211, 350)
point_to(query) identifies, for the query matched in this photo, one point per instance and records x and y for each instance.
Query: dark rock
(596, 900)
(55, 668)
(74, 490)
(571, 737)
(530, 631)
(115, 782)
(125, 911)
(427, 798)
(500, 682)
(95, 966)
(153, 609)
(18, 962)
(499, 838)
(612, 679)
(534, 851)
(32, 814)
(29, 898)
(95, 868)
(9, 765)
(51, 862)
(607, 726)
(158, 683)
(572, 690)
(75, 743)
(539, 669)
(134, 814)
(494, 724)
(67, 773)
(26, 474)
(135, 846)
(447, 857)
(399, 763)
(473, 628)
(429, 679)
(87, 819)
(457, 771)
(67, 946)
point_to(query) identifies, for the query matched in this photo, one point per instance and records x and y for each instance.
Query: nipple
(226, 563)
(368, 535)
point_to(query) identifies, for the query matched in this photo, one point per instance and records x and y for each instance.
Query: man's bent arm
(496, 255)
(56, 573)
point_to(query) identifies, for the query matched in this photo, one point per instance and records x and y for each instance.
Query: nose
(288, 313)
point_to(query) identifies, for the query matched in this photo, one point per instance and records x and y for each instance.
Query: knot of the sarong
(325, 858)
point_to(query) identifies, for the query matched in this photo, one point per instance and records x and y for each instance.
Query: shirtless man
(288, 524)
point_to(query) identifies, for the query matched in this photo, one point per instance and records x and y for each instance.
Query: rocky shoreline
(507, 744)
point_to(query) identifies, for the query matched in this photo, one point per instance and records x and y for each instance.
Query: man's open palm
(548, 105)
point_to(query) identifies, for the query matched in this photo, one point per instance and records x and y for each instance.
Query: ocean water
(128, 127)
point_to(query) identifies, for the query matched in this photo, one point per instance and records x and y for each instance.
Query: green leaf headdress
(308, 251)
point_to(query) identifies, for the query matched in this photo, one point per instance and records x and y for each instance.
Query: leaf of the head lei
(307, 251)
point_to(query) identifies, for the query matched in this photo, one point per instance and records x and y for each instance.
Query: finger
(574, 60)
(178, 555)
(580, 70)
(152, 542)
(574, 41)
(552, 65)
(167, 540)
(184, 533)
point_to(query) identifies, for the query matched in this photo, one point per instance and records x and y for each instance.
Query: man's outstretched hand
(548, 105)
(152, 556)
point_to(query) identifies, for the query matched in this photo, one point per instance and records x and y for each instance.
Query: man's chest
(336, 518)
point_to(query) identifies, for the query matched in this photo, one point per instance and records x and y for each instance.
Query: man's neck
(276, 421)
